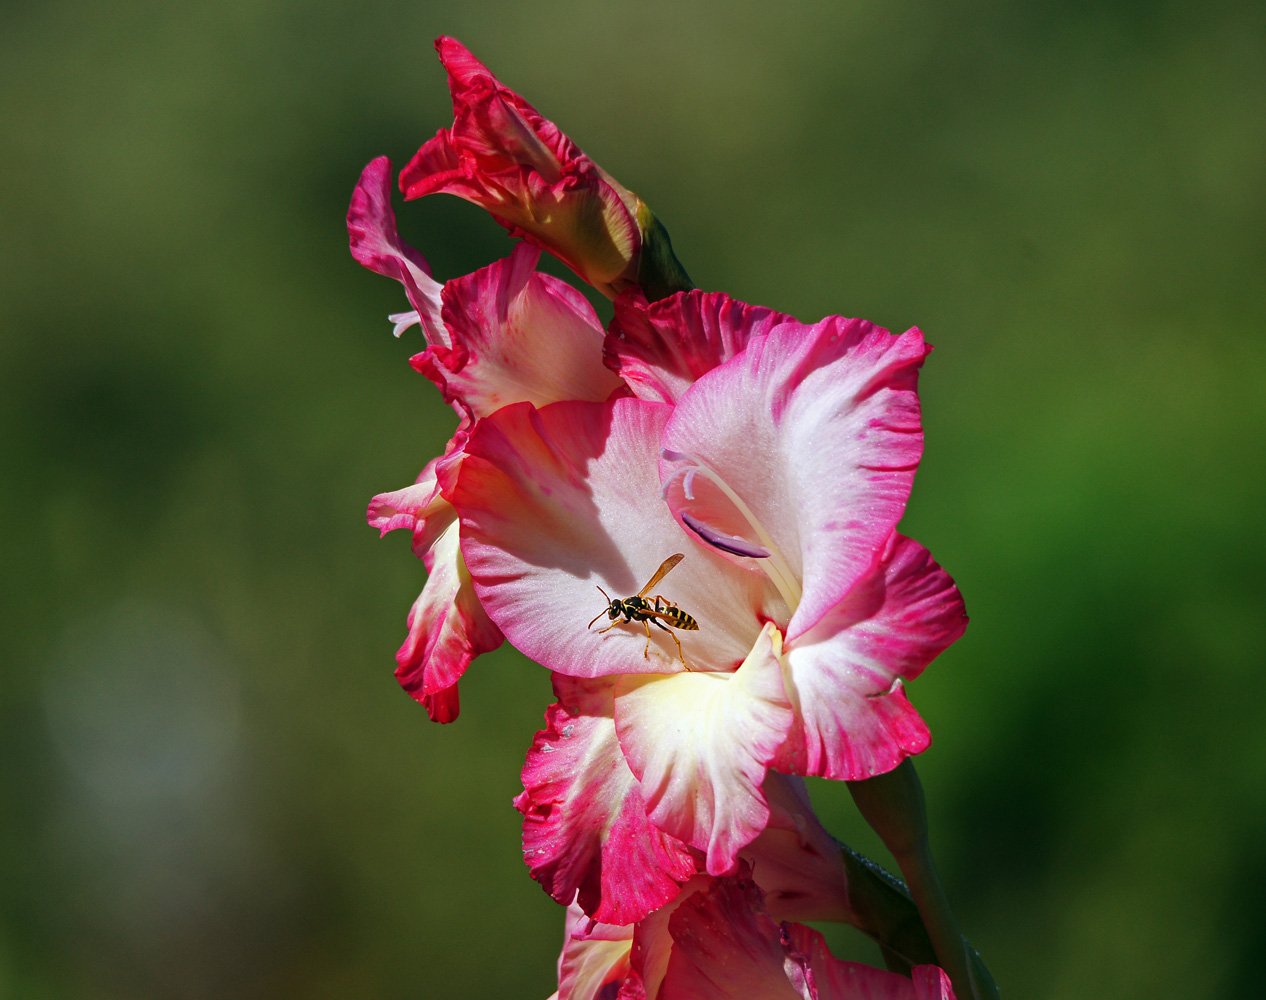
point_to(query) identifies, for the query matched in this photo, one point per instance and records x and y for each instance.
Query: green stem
(894, 806)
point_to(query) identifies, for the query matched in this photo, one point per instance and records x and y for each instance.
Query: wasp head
(612, 610)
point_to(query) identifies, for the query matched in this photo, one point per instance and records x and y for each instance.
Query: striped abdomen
(675, 616)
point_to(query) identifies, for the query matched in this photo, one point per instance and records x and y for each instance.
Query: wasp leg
(672, 635)
(604, 631)
(680, 655)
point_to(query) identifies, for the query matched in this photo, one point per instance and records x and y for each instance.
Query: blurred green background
(212, 785)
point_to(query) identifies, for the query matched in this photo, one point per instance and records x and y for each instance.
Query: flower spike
(504, 156)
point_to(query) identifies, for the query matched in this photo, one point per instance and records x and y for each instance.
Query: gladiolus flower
(717, 941)
(781, 474)
(502, 155)
(503, 334)
(729, 481)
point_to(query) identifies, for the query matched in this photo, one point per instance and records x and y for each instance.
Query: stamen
(892, 688)
(688, 484)
(403, 321)
(772, 561)
(727, 543)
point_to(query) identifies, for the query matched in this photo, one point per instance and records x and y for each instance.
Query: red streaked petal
(663, 347)
(375, 243)
(447, 630)
(853, 718)
(725, 947)
(834, 979)
(595, 957)
(585, 830)
(700, 744)
(504, 156)
(472, 86)
(931, 983)
(522, 336)
(795, 861)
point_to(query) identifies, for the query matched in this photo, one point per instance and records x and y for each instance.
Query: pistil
(763, 548)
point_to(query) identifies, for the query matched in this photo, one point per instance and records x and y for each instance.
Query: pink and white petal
(421, 508)
(558, 502)
(404, 508)
(835, 979)
(663, 347)
(700, 744)
(584, 695)
(816, 430)
(410, 507)
(376, 244)
(725, 947)
(447, 630)
(594, 957)
(523, 336)
(856, 739)
(853, 719)
(795, 861)
(585, 830)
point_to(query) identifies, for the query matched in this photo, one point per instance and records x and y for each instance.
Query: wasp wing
(664, 569)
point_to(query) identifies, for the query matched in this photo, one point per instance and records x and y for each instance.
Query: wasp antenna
(604, 610)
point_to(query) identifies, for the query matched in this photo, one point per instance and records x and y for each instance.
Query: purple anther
(726, 543)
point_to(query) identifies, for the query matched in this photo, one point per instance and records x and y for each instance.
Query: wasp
(658, 611)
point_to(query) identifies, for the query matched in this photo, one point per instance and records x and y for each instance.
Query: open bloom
(781, 473)
(716, 940)
(587, 835)
(502, 155)
(503, 334)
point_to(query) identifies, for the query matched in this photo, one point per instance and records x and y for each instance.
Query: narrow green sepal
(885, 913)
(882, 909)
(659, 272)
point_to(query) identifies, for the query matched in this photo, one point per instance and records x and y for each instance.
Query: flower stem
(893, 805)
